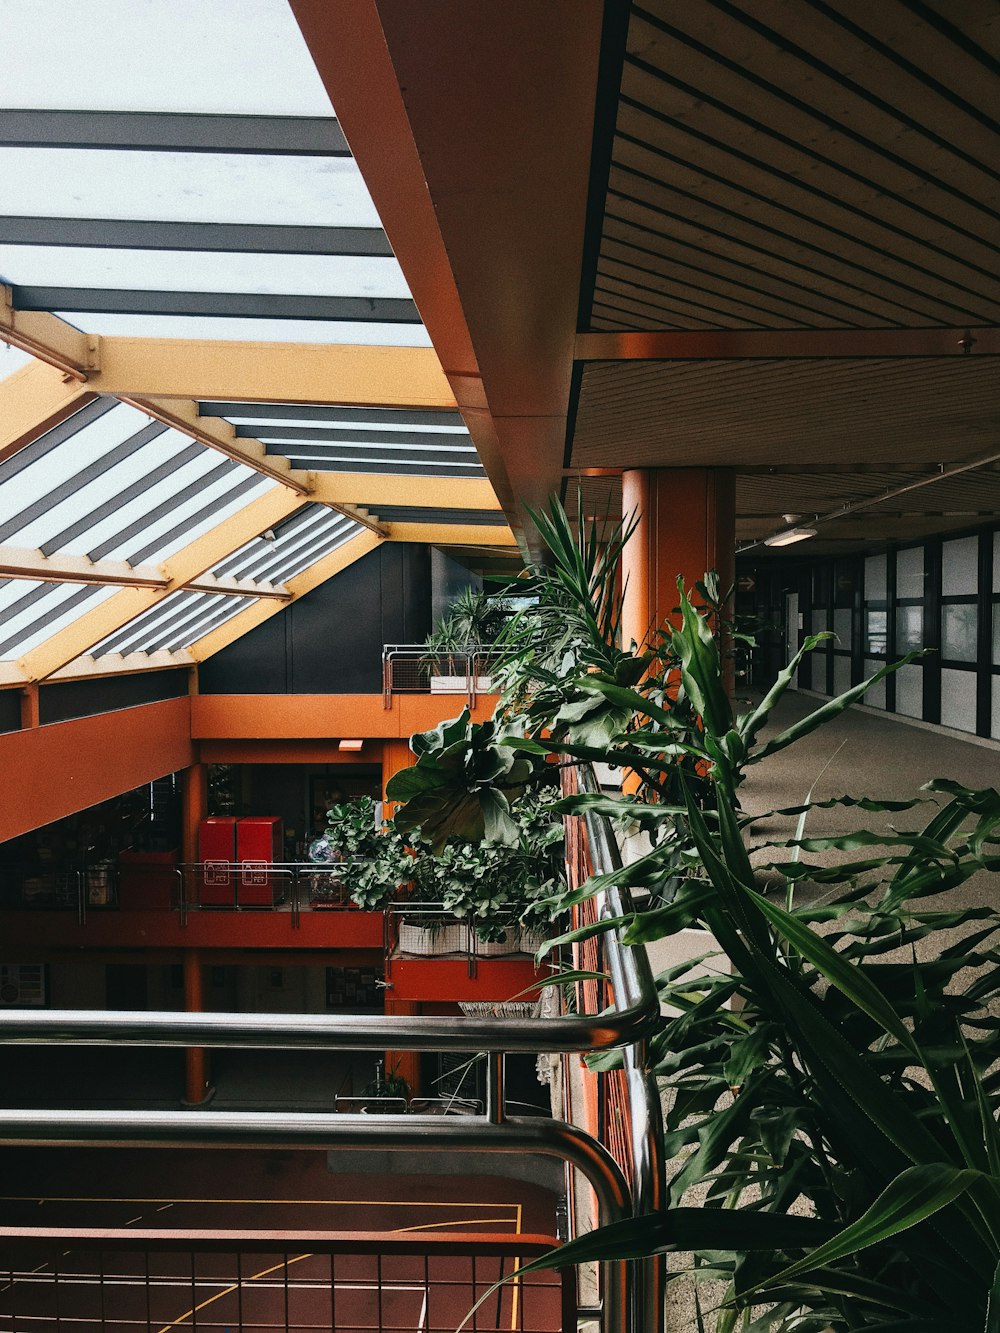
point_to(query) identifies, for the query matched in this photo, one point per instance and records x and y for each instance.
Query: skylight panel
(32, 621)
(269, 426)
(152, 57)
(250, 330)
(185, 187)
(11, 359)
(62, 471)
(312, 546)
(189, 523)
(193, 271)
(259, 549)
(178, 484)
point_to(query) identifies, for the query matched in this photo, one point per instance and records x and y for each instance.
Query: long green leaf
(914, 1195)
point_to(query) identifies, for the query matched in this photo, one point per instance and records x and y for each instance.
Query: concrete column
(196, 1064)
(686, 524)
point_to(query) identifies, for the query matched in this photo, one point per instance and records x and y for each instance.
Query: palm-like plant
(834, 1092)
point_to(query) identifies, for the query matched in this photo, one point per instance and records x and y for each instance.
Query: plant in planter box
(833, 1094)
(474, 622)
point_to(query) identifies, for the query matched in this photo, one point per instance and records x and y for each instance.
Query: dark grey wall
(330, 641)
(10, 710)
(63, 700)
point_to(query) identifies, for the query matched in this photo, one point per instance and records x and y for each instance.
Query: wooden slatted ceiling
(717, 413)
(851, 181)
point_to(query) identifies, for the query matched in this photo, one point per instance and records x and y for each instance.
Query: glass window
(996, 633)
(910, 572)
(958, 699)
(959, 632)
(910, 690)
(909, 628)
(960, 567)
(996, 562)
(876, 631)
(995, 729)
(841, 674)
(842, 628)
(817, 624)
(876, 578)
(875, 698)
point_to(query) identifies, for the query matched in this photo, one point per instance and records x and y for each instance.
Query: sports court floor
(284, 1287)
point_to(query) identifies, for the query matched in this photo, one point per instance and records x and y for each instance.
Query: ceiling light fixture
(789, 536)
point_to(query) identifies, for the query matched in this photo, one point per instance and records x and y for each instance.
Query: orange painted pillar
(194, 807)
(404, 1063)
(396, 755)
(685, 524)
(196, 1089)
(29, 707)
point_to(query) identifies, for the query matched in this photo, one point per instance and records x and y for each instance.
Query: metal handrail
(624, 1026)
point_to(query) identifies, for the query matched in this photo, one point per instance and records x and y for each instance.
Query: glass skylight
(178, 621)
(186, 271)
(30, 612)
(159, 55)
(11, 359)
(251, 330)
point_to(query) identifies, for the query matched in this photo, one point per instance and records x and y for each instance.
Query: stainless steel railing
(632, 1293)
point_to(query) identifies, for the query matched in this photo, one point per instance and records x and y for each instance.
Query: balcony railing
(632, 1299)
(411, 668)
(134, 1281)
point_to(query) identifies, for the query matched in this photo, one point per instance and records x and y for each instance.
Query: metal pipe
(631, 976)
(415, 1133)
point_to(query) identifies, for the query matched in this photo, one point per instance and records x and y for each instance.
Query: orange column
(396, 755)
(196, 1089)
(29, 706)
(194, 807)
(404, 1063)
(685, 524)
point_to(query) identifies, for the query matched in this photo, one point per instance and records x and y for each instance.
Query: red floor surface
(274, 1190)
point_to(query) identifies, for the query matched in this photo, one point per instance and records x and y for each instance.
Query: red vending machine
(217, 852)
(260, 843)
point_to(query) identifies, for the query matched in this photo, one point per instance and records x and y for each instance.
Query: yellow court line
(362, 1203)
(463, 1222)
(287, 1263)
(517, 1281)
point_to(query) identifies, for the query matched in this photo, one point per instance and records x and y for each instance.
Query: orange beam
(484, 201)
(726, 344)
(33, 400)
(68, 766)
(286, 717)
(286, 752)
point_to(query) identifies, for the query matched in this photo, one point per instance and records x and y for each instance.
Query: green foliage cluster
(491, 884)
(835, 1074)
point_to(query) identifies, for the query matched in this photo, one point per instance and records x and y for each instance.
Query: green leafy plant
(833, 1086)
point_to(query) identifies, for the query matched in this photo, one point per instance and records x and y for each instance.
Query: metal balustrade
(141, 1281)
(632, 1292)
(412, 668)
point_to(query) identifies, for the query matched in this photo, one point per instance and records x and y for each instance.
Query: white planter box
(532, 939)
(460, 684)
(511, 943)
(428, 941)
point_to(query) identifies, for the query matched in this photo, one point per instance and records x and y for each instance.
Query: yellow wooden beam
(453, 534)
(33, 400)
(298, 586)
(180, 569)
(48, 338)
(114, 664)
(373, 489)
(18, 562)
(272, 372)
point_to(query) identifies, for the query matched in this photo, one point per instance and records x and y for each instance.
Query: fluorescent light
(789, 536)
(351, 745)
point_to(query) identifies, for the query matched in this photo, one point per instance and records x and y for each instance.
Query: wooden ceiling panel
(752, 413)
(845, 150)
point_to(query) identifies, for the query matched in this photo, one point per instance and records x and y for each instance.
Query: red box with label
(260, 841)
(217, 852)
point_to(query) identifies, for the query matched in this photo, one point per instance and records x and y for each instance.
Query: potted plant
(464, 634)
(389, 1092)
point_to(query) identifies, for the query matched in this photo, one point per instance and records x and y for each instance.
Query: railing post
(496, 1111)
